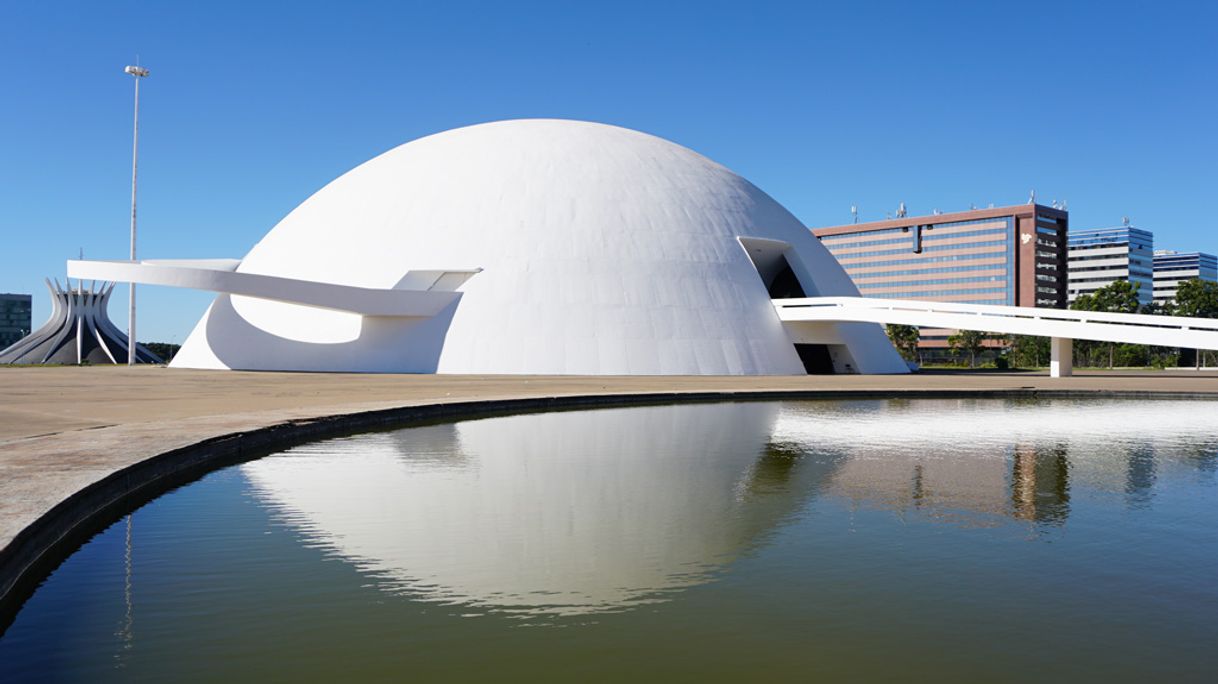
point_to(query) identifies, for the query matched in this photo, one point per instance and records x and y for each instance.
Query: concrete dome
(603, 251)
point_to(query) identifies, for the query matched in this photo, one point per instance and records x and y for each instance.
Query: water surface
(962, 540)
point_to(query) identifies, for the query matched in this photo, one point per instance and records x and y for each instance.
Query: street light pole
(138, 72)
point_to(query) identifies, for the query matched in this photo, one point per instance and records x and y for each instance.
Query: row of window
(930, 226)
(1194, 263)
(1131, 246)
(833, 244)
(883, 231)
(1111, 275)
(1000, 300)
(920, 258)
(862, 281)
(1112, 268)
(1073, 255)
(1118, 266)
(1113, 235)
(939, 293)
(973, 222)
(926, 247)
(927, 237)
(921, 271)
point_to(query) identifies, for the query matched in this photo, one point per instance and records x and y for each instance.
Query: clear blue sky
(253, 106)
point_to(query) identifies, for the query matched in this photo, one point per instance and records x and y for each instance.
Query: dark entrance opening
(785, 285)
(815, 358)
(769, 257)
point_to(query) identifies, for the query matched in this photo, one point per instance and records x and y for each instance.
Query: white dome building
(536, 247)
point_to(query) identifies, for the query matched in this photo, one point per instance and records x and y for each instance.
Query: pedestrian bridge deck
(1063, 326)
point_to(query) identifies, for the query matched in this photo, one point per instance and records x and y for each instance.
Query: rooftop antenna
(1064, 208)
(936, 212)
(901, 211)
(1032, 197)
(82, 254)
(1125, 221)
(854, 211)
(972, 206)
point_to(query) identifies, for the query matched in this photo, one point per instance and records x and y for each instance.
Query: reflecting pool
(954, 540)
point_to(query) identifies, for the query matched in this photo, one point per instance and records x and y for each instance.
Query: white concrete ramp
(1062, 325)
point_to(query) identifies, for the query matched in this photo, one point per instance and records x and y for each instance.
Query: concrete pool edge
(41, 546)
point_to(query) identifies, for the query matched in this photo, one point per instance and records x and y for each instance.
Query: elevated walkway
(1061, 326)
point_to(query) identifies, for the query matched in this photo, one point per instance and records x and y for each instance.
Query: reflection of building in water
(1140, 476)
(564, 513)
(968, 459)
(1040, 484)
(922, 480)
(1032, 485)
(1205, 458)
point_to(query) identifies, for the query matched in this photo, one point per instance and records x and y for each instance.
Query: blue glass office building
(1102, 256)
(1173, 268)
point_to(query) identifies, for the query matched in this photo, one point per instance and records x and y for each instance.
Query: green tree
(905, 339)
(967, 342)
(1120, 296)
(1029, 351)
(165, 350)
(1196, 298)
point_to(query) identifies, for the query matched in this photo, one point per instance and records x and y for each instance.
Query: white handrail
(1195, 333)
(1007, 311)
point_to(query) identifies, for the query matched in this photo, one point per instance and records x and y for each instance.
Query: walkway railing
(1063, 326)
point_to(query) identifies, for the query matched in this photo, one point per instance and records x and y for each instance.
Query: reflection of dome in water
(602, 251)
(558, 512)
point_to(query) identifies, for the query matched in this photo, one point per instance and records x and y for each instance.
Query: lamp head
(136, 71)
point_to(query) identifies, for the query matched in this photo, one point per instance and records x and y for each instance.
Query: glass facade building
(15, 311)
(1102, 256)
(1014, 256)
(1172, 268)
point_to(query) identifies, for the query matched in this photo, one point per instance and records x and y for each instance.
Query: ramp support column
(1061, 357)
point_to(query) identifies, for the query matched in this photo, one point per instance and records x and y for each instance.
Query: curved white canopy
(431, 291)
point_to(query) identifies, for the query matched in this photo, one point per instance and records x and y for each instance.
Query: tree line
(1195, 298)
